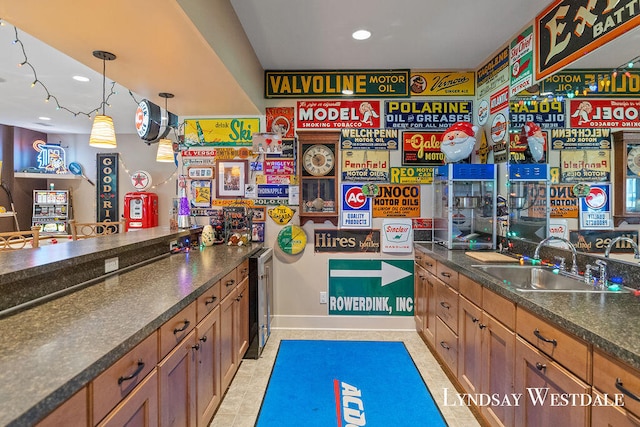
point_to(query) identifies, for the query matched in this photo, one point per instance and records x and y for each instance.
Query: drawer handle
(445, 274)
(445, 305)
(135, 373)
(541, 366)
(210, 300)
(230, 282)
(620, 387)
(185, 326)
(536, 332)
(428, 264)
(445, 345)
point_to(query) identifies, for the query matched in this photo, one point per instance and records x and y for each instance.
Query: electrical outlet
(110, 265)
(323, 297)
(172, 245)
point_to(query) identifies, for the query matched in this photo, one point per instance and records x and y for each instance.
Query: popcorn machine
(465, 206)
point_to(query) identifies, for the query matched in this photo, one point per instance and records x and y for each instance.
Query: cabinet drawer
(208, 301)
(242, 270)
(612, 376)
(175, 329)
(565, 349)
(119, 379)
(611, 415)
(228, 283)
(425, 261)
(470, 290)
(447, 305)
(500, 308)
(448, 275)
(447, 345)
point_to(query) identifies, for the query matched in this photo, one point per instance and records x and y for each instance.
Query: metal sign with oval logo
(356, 207)
(143, 118)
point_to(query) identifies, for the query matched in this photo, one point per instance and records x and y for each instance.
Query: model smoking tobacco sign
(371, 287)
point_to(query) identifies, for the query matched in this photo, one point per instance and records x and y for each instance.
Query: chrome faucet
(626, 239)
(574, 252)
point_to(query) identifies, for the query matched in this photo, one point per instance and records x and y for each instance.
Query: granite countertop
(52, 350)
(609, 321)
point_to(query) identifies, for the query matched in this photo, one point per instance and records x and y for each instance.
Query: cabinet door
(498, 358)
(139, 408)
(227, 357)
(419, 292)
(613, 416)
(542, 382)
(429, 327)
(208, 367)
(177, 391)
(241, 320)
(469, 345)
(72, 413)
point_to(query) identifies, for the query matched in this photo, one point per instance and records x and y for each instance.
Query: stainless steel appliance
(260, 301)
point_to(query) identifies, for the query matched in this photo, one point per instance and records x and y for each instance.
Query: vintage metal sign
(332, 240)
(365, 166)
(332, 84)
(430, 115)
(356, 207)
(280, 120)
(546, 114)
(360, 287)
(221, 131)
(450, 83)
(278, 167)
(585, 165)
(397, 235)
(499, 100)
(411, 175)
(596, 241)
(521, 57)
(601, 83)
(595, 208)
(494, 74)
(107, 187)
(569, 29)
(338, 114)
(577, 139)
(396, 201)
(422, 148)
(563, 203)
(601, 113)
(273, 190)
(369, 139)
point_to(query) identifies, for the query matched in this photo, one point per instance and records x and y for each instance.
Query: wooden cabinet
(115, 383)
(542, 383)
(447, 305)
(227, 357)
(469, 345)
(177, 384)
(208, 381)
(447, 345)
(241, 321)
(177, 328)
(614, 416)
(208, 301)
(424, 296)
(72, 413)
(626, 176)
(419, 297)
(139, 408)
(612, 377)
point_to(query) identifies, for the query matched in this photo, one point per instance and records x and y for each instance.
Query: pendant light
(165, 145)
(103, 134)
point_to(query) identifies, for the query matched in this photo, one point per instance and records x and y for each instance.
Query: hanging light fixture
(103, 134)
(165, 145)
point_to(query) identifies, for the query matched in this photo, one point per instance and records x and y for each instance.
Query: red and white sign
(338, 114)
(355, 198)
(499, 100)
(279, 167)
(605, 113)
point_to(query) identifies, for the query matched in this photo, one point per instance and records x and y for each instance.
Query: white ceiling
(211, 53)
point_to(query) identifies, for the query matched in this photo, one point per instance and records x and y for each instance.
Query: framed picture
(200, 192)
(257, 232)
(259, 213)
(231, 178)
(200, 172)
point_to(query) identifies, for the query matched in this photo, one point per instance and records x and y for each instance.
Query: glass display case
(528, 201)
(465, 206)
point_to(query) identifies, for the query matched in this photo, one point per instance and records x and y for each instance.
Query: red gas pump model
(141, 209)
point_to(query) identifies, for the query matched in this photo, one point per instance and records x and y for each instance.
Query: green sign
(593, 83)
(333, 84)
(371, 287)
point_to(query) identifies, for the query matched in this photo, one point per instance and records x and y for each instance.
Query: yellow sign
(230, 132)
(411, 175)
(454, 83)
(281, 214)
(397, 201)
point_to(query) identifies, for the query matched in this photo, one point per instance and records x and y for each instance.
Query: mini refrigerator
(260, 301)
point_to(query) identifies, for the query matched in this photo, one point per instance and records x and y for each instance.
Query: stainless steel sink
(529, 278)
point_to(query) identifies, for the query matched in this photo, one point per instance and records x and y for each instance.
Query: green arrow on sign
(388, 273)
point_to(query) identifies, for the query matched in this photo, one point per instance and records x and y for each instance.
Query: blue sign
(546, 114)
(356, 207)
(431, 115)
(273, 190)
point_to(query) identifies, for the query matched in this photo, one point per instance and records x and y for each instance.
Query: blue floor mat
(344, 384)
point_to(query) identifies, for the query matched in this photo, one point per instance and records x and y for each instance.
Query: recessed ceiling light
(81, 78)
(44, 118)
(361, 34)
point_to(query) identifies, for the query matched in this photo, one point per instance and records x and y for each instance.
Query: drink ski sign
(360, 287)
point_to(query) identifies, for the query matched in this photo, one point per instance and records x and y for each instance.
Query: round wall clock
(292, 239)
(318, 160)
(633, 160)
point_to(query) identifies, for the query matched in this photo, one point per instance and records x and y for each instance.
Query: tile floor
(241, 404)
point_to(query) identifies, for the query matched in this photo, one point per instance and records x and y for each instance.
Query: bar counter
(54, 348)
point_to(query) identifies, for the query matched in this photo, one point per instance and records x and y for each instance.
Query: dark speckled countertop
(50, 351)
(610, 321)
